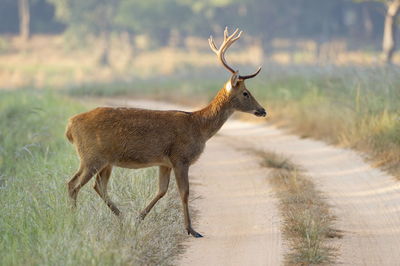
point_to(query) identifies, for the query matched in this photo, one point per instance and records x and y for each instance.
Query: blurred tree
(160, 19)
(43, 18)
(36, 17)
(168, 20)
(389, 41)
(211, 16)
(154, 18)
(157, 19)
(89, 17)
(24, 19)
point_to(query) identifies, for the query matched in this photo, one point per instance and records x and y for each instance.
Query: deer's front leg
(182, 179)
(164, 174)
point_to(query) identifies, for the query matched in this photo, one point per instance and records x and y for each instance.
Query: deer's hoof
(197, 235)
(142, 215)
(194, 233)
(116, 212)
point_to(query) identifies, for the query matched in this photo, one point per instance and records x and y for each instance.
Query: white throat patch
(228, 86)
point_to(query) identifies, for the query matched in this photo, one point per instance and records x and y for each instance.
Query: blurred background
(60, 42)
(330, 72)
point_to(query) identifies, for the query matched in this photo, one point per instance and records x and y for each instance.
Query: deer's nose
(260, 112)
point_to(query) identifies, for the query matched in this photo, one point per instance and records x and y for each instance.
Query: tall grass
(37, 227)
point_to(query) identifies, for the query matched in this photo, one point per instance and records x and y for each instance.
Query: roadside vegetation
(37, 227)
(307, 222)
(352, 107)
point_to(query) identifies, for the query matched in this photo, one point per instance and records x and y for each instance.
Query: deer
(133, 138)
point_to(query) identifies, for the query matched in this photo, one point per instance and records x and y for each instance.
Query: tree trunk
(104, 59)
(24, 19)
(389, 42)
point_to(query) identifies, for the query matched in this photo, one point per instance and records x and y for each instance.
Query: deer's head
(239, 96)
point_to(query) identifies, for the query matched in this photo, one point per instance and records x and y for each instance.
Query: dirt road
(365, 200)
(238, 213)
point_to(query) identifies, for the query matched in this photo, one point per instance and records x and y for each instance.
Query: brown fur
(137, 138)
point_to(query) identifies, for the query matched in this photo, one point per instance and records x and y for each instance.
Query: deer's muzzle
(260, 112)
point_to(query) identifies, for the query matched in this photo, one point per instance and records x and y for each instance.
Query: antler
(228, 40)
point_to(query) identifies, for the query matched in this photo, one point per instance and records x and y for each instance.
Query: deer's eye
(245, 94)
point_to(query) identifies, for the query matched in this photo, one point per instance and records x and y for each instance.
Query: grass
(66, 61)
(307, 222)
(37, 227)
(180, 86)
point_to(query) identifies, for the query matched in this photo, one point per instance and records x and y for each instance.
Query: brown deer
(137, 138)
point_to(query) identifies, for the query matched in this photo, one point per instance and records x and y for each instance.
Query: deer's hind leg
(72, 185)
(84, 174)
(100, 187)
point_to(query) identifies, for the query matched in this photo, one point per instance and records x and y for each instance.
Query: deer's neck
(212, 117)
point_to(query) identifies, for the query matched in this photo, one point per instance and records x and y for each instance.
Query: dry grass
(308, 224)
(54, 61)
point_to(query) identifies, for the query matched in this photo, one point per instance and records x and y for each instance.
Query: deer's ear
(234, 79)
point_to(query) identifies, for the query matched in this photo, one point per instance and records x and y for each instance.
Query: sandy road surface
(365, 200)
(238, 215)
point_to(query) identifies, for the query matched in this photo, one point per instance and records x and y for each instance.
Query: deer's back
(135, 138)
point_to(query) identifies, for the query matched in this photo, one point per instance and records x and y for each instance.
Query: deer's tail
(68, 132)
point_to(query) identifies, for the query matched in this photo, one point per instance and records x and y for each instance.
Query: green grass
(37, 226)
(307, 222)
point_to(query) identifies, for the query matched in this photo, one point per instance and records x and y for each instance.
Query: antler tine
(212, 44)
(228, 40)
(232, 39)
(251, 75)
(225, 33)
